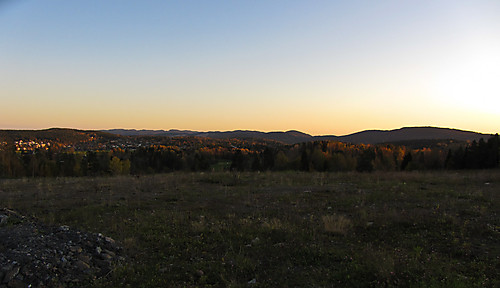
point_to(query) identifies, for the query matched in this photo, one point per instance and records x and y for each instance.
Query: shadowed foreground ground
(437, 229)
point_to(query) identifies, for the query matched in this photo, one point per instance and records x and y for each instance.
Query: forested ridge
(295, 137)
(90, 153)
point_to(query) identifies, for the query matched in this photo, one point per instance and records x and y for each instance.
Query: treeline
(327, 156)
(311, 156)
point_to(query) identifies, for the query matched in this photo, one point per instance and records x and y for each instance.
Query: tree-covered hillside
(147, 155)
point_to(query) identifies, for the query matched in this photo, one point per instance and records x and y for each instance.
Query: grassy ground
(439, 229)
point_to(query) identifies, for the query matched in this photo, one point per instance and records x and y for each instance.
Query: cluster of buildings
(31, 145)
(28, 146)
(110, 145)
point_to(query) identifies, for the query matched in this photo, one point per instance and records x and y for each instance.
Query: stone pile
(36, 255)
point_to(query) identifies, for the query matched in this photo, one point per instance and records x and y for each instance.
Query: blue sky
(322, 67)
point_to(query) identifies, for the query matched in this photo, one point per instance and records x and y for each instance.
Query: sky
(320, 67)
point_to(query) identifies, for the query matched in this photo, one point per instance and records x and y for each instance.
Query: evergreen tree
(406, 160)
(238, 162)
(304, 160)
(365, 161)
(256, 166)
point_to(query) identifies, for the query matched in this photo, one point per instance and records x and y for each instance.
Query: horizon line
(248, 130)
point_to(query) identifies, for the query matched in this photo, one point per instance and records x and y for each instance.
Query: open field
(419, 229)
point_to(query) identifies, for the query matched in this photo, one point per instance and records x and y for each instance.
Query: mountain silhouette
(293, 137)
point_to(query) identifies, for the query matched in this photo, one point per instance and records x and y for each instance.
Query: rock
(84, 258)
(109, 240)
(82, 266)
(75, 249)
(16, 284)
(64, 228)
(199, 273)
(106, 256)
(256, 241)
(111, 253)
(26, 271)
(253, 281)
(33, 254)
(11, 273)
(3, 219)
(163, 270)
(102, 265)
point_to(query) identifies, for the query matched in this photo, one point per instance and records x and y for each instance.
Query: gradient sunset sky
(321, 67)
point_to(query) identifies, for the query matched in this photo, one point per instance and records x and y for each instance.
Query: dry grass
(288, 229)
(338, 224)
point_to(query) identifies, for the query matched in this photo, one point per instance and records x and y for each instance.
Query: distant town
(29, 146)
(96, 143)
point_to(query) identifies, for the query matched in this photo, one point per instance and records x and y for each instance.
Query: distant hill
(293, 137)
(169, 133)
(289, 137)
(406, 134)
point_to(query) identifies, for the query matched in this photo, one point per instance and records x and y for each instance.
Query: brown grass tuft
(338, 224)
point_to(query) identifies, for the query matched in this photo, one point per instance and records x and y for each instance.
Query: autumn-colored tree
(115, 166)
